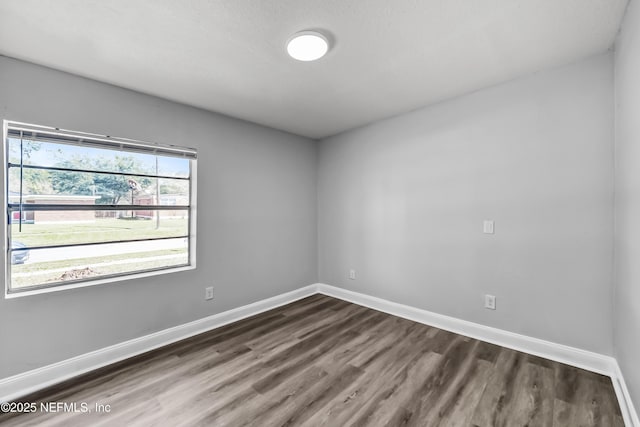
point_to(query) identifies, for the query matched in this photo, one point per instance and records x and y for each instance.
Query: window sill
(19, 294)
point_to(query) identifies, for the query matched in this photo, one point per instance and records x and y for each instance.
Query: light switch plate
(488, 227)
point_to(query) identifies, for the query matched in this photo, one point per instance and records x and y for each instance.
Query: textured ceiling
(228, 56)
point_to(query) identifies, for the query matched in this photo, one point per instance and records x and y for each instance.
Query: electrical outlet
(208, 293)
(352, 274)
(490, 302)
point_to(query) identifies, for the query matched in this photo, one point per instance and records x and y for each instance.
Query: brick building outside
(40, 217)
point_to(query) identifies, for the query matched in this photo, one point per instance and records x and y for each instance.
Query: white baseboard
(579, 358)
(624, 399)
(24, 383)
(561, 353)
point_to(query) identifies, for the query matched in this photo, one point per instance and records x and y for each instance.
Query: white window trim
(95, 282)
(120, 278)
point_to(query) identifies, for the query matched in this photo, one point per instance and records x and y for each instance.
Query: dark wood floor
(323, 361)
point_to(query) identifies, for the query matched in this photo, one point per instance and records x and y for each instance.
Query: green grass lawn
(45, 272)
(102, 230)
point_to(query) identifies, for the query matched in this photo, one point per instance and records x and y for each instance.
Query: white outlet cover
(488, 227)
(352, 274)
(490, 302)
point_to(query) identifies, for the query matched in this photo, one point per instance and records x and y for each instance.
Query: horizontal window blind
(60, 136)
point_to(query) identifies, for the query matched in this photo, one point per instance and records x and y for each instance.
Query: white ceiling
(228, 56)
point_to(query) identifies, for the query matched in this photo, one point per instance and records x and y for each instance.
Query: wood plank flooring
(321, 361)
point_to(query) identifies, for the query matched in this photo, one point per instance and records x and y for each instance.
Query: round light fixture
(307, 46)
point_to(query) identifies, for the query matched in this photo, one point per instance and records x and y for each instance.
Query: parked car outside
(19, 256)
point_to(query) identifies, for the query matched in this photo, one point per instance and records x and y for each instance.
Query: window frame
(140, 147)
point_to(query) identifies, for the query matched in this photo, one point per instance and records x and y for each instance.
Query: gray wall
(256, 218)
(626, 320)
(402, 201)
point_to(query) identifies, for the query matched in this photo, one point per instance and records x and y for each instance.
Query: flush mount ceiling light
(307, 46)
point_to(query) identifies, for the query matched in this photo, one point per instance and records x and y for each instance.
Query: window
(84, 209)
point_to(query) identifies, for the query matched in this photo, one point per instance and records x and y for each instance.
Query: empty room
(320, 213)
